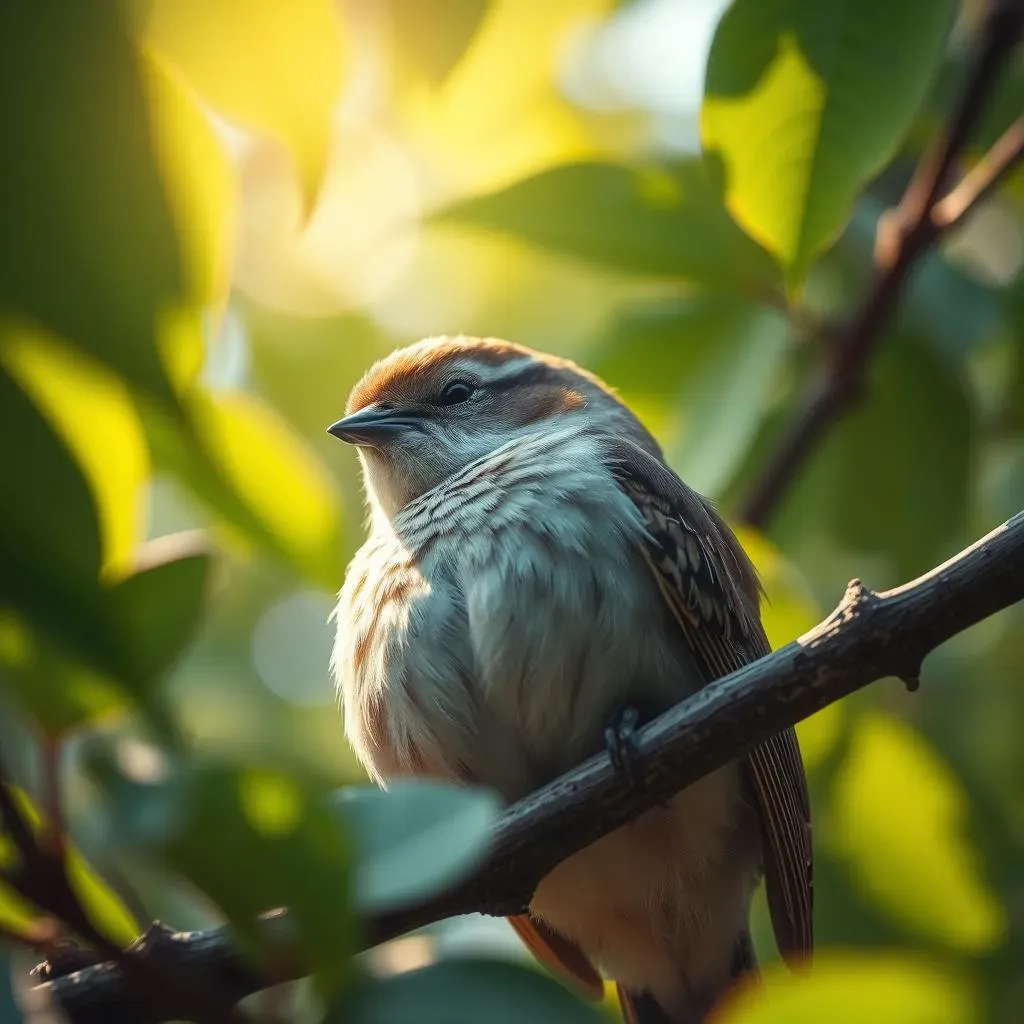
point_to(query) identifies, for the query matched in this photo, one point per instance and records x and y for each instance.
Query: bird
(536, 584)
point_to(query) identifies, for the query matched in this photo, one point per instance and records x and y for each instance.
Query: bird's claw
(620, 739)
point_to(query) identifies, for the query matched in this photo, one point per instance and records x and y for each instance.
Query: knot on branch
(156, 942)
(858, 601)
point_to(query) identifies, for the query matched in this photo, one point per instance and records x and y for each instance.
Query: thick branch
(903, 236)
(869, 636)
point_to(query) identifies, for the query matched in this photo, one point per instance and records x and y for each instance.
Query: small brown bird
(536, 582)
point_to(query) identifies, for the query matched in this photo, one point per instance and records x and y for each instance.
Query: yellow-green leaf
(664, 221)
(432, 37)
(285, 490)
(804, 102)
(102, 905)
(59, 692)
(897, 820)
(50, 576)
(855, 988)
(499, 115)
(94, 416)
(272, 65)
(197, 175)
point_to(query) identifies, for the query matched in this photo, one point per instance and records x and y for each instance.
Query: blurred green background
(215, 216)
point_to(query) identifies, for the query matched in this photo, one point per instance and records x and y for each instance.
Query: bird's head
(426, 411)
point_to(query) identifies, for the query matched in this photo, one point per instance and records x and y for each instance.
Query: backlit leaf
(102, 905)
(94, 415)
(51, 576)
(897, 821)
(199, 179)
(805, 101)
(58, 690)
(432, 37)
(287, 498)
(89, 247)
(665, 221)
(499, 115)
(854, 988)
(272, 65)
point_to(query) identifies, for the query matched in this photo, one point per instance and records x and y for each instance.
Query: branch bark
(903, 235)
(869, 636)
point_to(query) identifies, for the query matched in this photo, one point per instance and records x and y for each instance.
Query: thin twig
(983, 178)
(869, 636)
(54, 838)
(903, 236)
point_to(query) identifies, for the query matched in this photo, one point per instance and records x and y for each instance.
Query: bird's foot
(620, 740)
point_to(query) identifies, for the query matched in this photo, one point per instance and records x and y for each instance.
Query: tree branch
(869, 636)
(903, 235)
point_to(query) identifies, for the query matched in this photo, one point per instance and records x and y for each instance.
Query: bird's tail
(643, 1008)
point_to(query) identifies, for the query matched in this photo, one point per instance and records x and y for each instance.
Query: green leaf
(93, 413)
(415, 839)
(16, 914)
(432, 37)
(81, 201)
(273, 65)
(892, 478)
(805, 101)
(897, 821)
(252, 839)
(199, 177)
(101, 904)
(710, 360)
(51, 575)
(159, 605)
(727, 394)
(849, 988)
(259, 476)
(466, 992)
(666, 221)
(58, 691)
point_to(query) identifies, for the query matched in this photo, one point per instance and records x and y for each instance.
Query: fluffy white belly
(489, 632)
(487, 637)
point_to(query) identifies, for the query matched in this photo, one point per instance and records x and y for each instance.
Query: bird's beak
(373, 427)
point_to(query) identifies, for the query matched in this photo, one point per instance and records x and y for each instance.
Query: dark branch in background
(869, 636)
(168, 976)
(903, 236)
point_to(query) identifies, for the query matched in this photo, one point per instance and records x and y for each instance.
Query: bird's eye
(454, 392)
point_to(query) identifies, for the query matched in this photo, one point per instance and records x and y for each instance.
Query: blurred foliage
(216, 215)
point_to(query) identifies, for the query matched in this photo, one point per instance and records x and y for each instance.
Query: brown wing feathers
(712, 591)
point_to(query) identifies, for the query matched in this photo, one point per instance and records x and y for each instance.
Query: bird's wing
(558, 953)
(712, 590)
